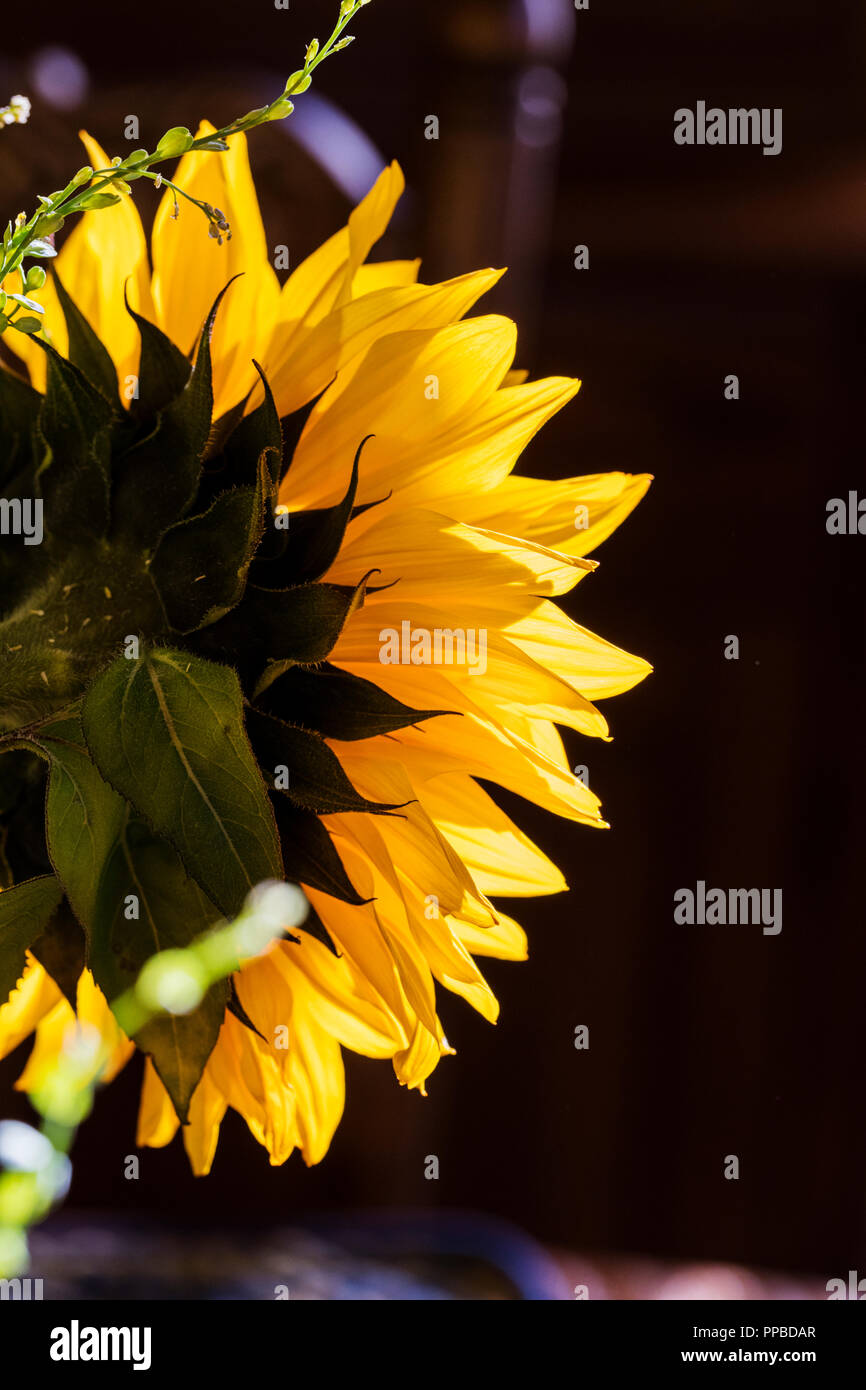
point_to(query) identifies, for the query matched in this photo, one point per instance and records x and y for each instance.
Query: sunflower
(389, 632)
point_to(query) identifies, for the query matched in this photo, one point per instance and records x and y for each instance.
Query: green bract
(165, 689)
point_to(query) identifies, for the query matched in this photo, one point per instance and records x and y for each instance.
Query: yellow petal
(410, 386)
(200, 1136)
(442, 453)
(383, 275)
(301, 366)
(106, 251)
(505, 941)
(593, 666)
(480, 747)
(574, 515)
(312, 289)
(92, 1011)
(317, 1075)
(47, 1045)
(501, 858)
(368, 222)
(497, 674)
(157, 1120)
(372, 872)
(413, 841)
(190, 268)
(419, 930)
(341, 998)
(422, 552)
(415, 1064)
(35, 995)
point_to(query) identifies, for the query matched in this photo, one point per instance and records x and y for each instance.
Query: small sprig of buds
(33, 236)
(16, 113)
(217, 223)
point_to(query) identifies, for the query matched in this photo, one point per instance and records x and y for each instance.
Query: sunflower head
(277, 530)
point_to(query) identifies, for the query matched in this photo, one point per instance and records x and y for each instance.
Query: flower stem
(90, 191)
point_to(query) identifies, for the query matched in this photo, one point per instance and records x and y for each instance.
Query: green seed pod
(297, 83)
(279, 109)
(174, 142)
(51, 224)
(99, 200)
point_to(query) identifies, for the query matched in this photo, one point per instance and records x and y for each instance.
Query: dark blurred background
(556, 129)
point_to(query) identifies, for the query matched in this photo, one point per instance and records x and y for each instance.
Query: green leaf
(316, 777)
(83, 816)
(163, 370)
(74, 422)
(167, 732)
(283, 626)
(85, 349)
(310, 856)
(200, 565)
(338, 704)
(157, 480)
(146, 877)
(61, 951)
(28, 303)
(26, 324)
(25, 912)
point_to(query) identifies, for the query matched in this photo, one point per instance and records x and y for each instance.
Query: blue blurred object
(425, 1238)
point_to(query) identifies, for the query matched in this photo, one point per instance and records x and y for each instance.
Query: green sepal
(25, 912)
(337, 704)
(86, 350)
(258, 433)
(200, 565)
(294, 425)
(235, 1007)
(314, 926)
(309, 855)
(314, 539)
(74, 423)
(163, 370)
(316, 777)
(167, 732)
(170, 458)
(280, 627)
